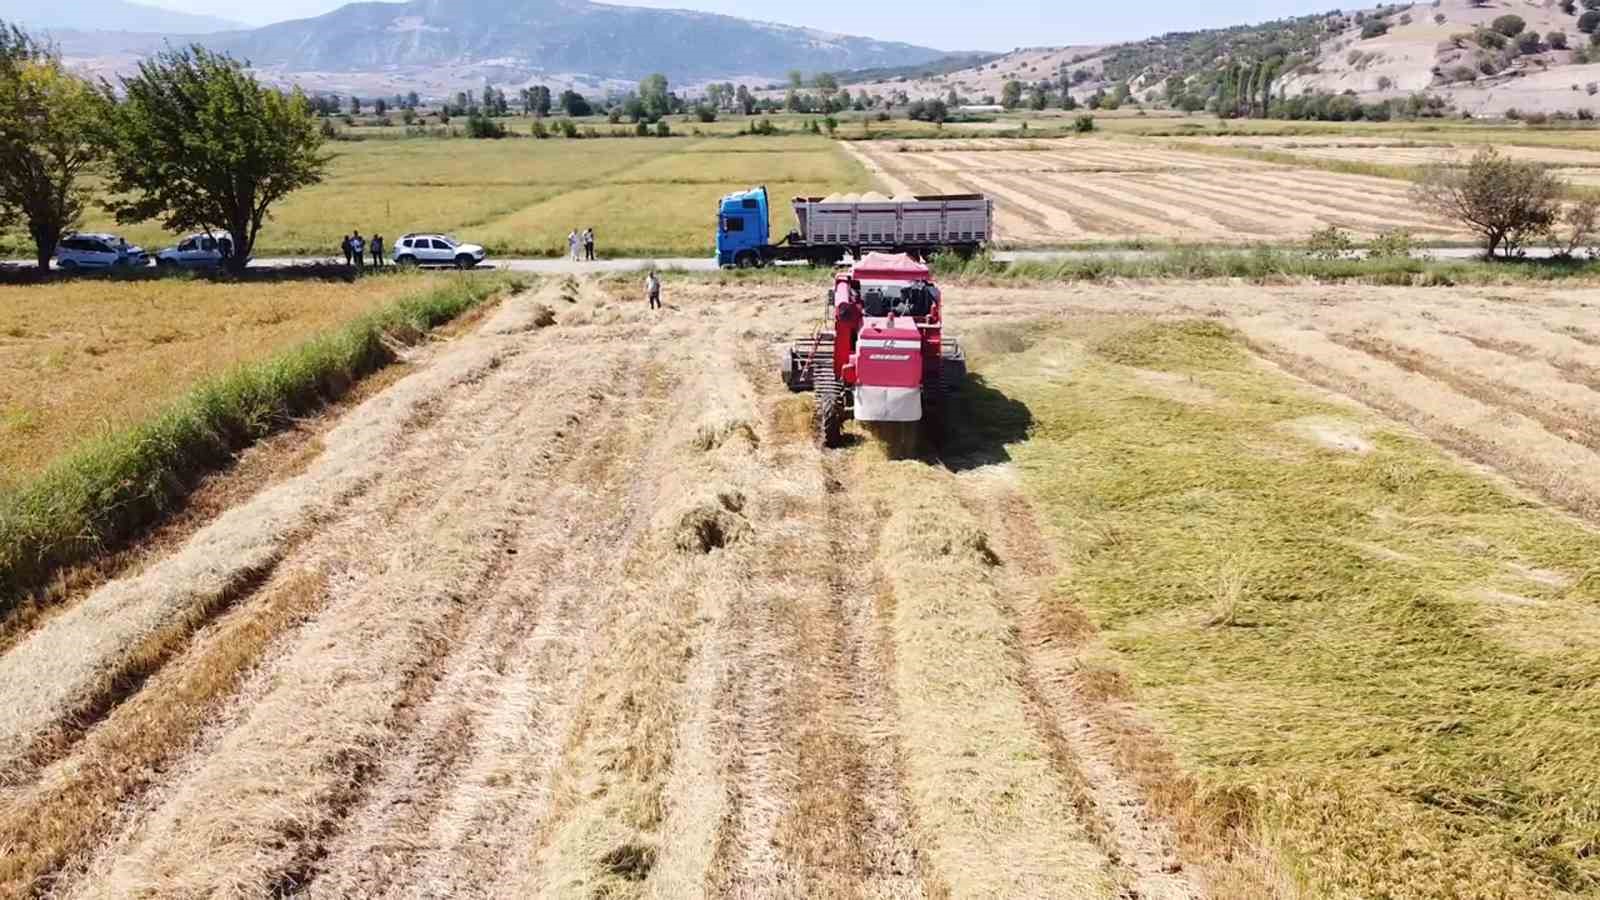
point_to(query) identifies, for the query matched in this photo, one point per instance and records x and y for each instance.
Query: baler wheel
(830, 416)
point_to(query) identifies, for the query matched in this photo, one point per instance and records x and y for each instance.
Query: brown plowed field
(581, 611)
(1054, 192)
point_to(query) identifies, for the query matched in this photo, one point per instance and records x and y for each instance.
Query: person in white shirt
(572, 244)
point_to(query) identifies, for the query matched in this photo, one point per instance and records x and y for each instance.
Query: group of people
(581, 244)
(356, 247)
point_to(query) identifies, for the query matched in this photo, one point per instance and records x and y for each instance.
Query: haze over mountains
(109, 15)
(443, 45)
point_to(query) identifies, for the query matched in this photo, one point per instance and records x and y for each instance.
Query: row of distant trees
(192, 140)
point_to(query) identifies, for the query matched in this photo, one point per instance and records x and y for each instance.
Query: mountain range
(443, 45)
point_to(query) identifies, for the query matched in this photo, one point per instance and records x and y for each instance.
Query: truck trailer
(830, 229)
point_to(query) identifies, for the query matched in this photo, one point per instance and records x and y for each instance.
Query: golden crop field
(82, 359)
(519, 196)
(1072, 190)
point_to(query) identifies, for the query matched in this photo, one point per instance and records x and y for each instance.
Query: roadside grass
(1266, 264)
(109, 486)
(1377, 660)
(521, 197)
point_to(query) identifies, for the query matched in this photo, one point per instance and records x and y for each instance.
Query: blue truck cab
(742, 232)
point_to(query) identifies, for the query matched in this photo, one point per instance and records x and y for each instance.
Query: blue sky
(946, 24)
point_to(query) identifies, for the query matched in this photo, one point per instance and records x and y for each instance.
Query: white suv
(197, 251)
(436, 250)
(98, 251)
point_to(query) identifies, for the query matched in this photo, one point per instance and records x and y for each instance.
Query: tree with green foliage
(1509, 25)
(201, 145)
(1505, 201)
(48, 118)
(575, 104)
(745, 100)
(1011, 94)
(655, 97)
(1589, 21)
(1557, 40)
(826, 86)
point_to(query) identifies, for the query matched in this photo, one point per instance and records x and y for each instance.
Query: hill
(110, 15)
(1451, 49)
(1443, 48)
(528, 39)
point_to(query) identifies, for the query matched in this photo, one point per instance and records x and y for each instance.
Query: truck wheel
(746, 260)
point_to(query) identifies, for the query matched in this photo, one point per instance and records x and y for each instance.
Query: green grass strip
(108, 489)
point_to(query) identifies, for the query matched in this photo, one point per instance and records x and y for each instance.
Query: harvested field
(1401, 152)
(1216, 591)
(1090, 190)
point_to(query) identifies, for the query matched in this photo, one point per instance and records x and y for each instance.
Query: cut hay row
(1524, 449)
(1117, 205)
(252, 817)
(443, 801)
(1314, 208)
(1534, 391)
(979, 774)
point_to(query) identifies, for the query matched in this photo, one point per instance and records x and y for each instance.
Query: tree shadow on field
(981, 422)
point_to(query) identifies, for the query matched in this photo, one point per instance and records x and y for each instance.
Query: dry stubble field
(579, 610)
(1087, 190)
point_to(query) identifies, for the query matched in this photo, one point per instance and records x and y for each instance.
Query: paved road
(548, 266)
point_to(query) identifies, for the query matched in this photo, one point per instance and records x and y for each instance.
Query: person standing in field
(358, 249)
(377, 251)
(344, 247)
(588, 243)
(652, 289)
(572, 244)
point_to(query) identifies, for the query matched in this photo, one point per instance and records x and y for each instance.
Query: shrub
(1569, 7)
(538, 130)
(1557, 40)
(1536, 118)
(662, 129)
(1529, 42)
(1504, 201)
(1439, 18)
(1510, 26)
(1585, 114)
(1405, 19)
(480, 126)
(1330, 243)
(1491, 40)
(1083, 124)
(705, 113)
(1396, 243)
(1589, 21)
(1385, 83)
(1463, 73)
(1374, 28)
(567, 128)
(641, 129)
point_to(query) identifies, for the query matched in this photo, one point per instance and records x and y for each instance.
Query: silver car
(436, 250)
(198, 251)
(98, 251)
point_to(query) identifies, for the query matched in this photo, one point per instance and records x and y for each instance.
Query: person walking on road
(572, 244)
(652, 289)
(344, 247)
(588, 243)
(377, 251)
(358, 249)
